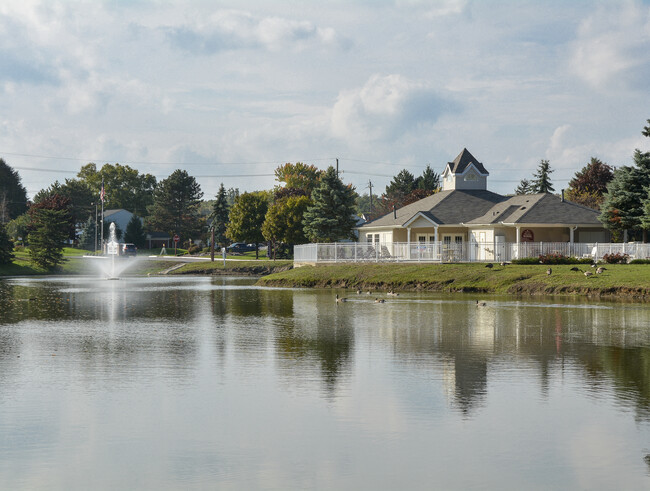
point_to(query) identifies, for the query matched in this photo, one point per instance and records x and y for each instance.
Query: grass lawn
(618, 279)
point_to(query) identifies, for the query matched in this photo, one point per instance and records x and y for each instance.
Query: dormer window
(471, 177)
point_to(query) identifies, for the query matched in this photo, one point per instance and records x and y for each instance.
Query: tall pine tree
(542, 178)
(331, 216)
(623, 206)
(219, 216)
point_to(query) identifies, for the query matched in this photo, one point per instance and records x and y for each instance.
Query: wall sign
(527, 235)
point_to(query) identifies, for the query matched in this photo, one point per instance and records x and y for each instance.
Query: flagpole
(102, 198)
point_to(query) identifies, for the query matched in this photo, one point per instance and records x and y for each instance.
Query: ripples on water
(214, 383)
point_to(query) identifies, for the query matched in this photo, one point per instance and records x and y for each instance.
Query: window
(471, 177)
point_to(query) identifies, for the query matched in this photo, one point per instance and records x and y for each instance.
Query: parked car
(129, 250)
(239, 247)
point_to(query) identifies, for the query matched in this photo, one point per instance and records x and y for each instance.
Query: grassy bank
(618, 279)
(252, 268)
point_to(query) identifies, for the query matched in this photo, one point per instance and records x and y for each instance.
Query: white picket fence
(463, 252)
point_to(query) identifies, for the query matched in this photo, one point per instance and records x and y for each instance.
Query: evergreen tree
(525, 187)
(331, 216)
(13, 196)
(135, 232)
(175, 209)
(6, 246)
(401, 185)
(50, 224)
(623, 205)
(429, 180)
(88, 234)
(542, 179)
(219, 216)
(247, 217)
(646, 130)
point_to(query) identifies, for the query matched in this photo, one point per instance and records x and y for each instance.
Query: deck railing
(460, 252)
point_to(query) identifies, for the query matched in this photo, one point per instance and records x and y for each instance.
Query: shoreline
(521, 280)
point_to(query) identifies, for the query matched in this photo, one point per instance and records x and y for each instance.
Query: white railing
(458, 252)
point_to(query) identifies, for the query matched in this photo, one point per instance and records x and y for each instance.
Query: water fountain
(110, 264)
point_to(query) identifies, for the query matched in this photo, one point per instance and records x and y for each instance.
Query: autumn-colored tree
(299, 176)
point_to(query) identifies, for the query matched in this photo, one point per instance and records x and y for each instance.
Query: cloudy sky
(230, 90)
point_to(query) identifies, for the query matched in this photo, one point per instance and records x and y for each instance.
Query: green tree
(401, 185)
(175, 209)
(542, 178)
(429, 180)
(219, 217)
(125, 187)
(6, 246)
(135, 232)
(331, 215)
(247, 217)
(231, 195)
(283, 221)
(299, 176)
(18, 228)
(623, 205)
(13, 196)
(87, 236)
(81, 199)
(646, 130)
(50, 224)
(525, 187)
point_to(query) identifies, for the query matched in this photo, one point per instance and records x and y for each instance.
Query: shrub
(526, 260)
(553, 258)
(616, 258)
(640, 261)
(194, 249)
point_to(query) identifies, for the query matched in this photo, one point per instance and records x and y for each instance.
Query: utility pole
(370, 186)
(337, 167)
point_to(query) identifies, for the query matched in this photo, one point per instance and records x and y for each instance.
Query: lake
(213, 383)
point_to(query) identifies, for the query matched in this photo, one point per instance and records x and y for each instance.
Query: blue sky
(225, 89)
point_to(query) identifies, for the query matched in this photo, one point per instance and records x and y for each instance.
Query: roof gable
(463, 161)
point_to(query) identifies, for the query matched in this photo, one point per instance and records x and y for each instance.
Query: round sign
(176, 238)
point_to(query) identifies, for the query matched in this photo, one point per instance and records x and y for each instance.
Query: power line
(142, 162)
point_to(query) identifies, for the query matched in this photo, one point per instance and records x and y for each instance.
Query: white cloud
(436, 8)
(233, 29)
(385, 107)
(611, 49)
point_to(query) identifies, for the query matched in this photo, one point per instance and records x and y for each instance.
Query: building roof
(463, 160)
(444, 208)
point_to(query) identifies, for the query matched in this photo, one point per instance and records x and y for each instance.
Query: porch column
(518, 254)
(408, 242)
(571, 235)
(435, 242)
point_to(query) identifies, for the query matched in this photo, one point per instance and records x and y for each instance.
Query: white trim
(418, 215)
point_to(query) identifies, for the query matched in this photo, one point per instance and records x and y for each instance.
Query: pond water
(206, 383)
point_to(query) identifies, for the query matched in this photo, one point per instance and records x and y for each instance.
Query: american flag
(102, 192)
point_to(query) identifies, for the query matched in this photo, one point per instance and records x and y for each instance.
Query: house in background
(120, 217)
(476, 224)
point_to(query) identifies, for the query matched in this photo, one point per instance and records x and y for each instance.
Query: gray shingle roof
(445, 207)
(464, 159)
(542, 208)
(488, 208)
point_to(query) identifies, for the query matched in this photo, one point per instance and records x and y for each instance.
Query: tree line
(307, 204)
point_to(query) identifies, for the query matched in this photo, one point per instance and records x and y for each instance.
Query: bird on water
(340, 299)
(481, 303)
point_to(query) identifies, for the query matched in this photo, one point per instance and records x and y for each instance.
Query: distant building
(465, 212)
